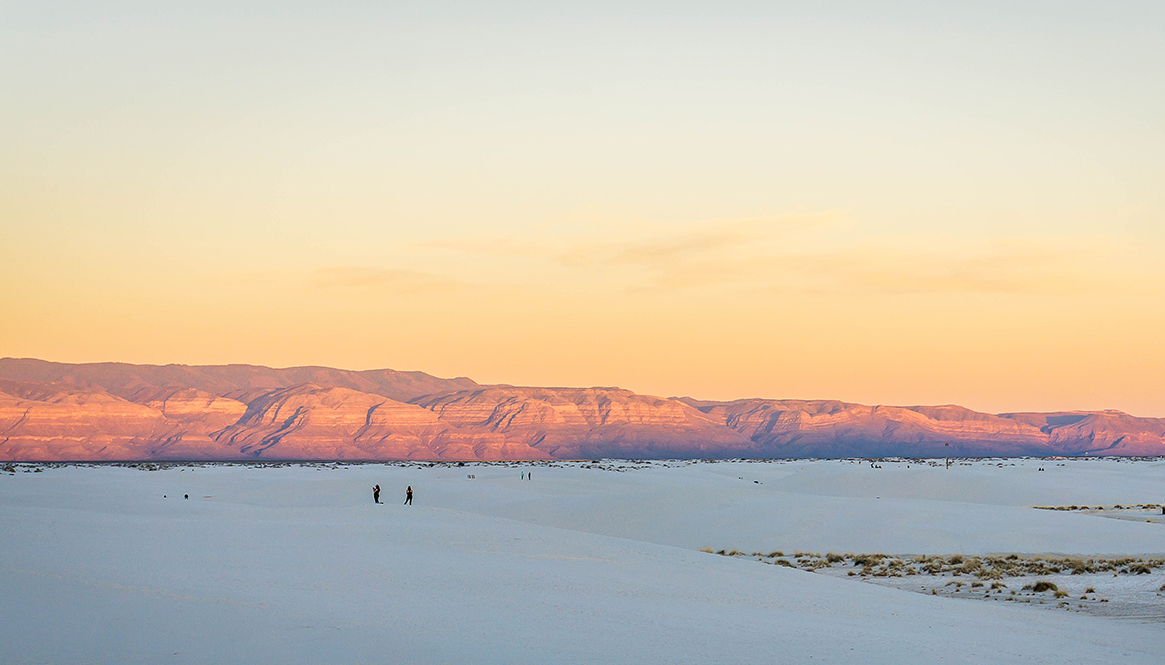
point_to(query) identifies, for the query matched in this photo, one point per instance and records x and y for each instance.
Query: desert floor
(582, 563)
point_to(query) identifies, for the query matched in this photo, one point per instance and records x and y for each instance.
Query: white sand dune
(578, 565)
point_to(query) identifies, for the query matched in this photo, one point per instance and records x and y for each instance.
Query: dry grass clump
(1042, 586)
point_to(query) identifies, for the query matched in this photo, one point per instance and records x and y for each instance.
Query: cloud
(1022, 265)
(397, 281)
(638, 244)
(817, 254)
(896, 265)
(659, 251)
(904, 265)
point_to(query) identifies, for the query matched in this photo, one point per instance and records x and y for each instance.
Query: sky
(886, 203)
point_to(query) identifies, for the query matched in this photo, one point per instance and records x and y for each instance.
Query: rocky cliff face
(111, 411)
(52, 422)
(789, 428)
(572, 423)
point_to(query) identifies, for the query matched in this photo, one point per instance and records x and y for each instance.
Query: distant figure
(529, 475)
(376, 494)
(409, 496)
(523, 475)
(186, 496)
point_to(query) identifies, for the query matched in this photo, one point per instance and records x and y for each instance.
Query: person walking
(409, 496)
(376, 494)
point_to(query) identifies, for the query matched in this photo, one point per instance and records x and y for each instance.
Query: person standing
(376, 494)
(409, 496)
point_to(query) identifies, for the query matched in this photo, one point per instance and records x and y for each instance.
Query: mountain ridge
(124, 412)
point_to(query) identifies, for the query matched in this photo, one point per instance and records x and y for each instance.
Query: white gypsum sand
(582, 563)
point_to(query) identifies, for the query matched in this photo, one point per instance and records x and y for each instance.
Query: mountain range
(122, 412)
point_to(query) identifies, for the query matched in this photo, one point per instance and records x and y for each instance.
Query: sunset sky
(897, 203)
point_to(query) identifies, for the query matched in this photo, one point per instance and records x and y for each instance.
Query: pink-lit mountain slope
(127, 381)
(826, 428)
(115, 411)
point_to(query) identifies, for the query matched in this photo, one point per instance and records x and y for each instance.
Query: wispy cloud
(1009, 265)
(640, 244)
(918, 265)
(819, 254)
(361, 277)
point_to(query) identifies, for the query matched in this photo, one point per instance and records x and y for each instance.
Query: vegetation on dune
(992, 568)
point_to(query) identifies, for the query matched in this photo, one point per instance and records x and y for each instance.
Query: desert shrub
(773, 555)
(976, 584)
(955, 560)
(1140, 569)
(1090, 590)
(706, 550)
(1162, 588)
(1044, 585)
(1061, 594)
(734, 552)
(834, 558)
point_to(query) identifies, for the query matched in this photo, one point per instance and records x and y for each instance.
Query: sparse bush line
(1131, 506)
(980, 567)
